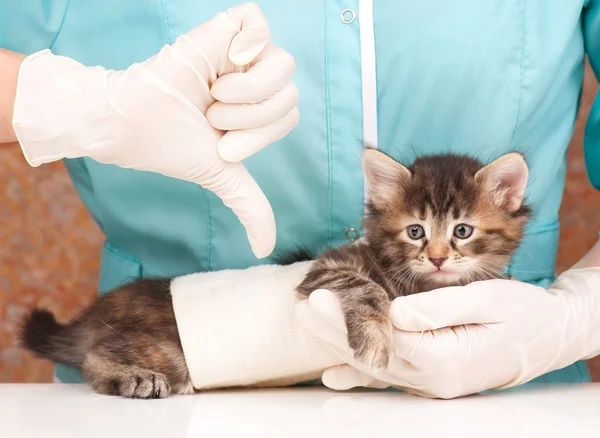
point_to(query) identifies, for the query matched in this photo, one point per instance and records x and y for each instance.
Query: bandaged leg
(238, 328)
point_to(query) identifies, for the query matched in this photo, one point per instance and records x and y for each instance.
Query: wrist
(10, 63)
(579, 290)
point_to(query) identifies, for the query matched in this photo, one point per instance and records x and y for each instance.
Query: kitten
(446, 220)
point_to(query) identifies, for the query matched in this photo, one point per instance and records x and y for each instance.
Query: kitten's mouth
(441, 271)
(441, 274)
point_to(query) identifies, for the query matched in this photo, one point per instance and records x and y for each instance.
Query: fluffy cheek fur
(498, 235)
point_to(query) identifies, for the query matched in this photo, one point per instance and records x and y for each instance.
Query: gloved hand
(462, 340)
(153, 115)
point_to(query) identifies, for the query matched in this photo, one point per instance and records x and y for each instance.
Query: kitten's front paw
(141, 384)
(371, 340)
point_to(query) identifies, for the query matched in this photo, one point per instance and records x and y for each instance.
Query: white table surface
(45, 411)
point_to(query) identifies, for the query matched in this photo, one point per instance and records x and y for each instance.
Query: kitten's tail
(42, 335)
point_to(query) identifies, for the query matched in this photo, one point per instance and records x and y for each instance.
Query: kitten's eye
(415, 232)
(463, 231)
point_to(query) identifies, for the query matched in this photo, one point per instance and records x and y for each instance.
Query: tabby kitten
(446, 220)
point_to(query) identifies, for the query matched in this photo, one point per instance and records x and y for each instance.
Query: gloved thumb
(240, 192)
(322, 316)
(482, 302)
(254, 33)
(328, 307)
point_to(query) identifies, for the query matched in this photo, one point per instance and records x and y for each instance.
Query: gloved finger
(240, 192)
(449, 345)
(411, 346)
(235, 146)
(484, 302)
(399, 374)
(322, 329)
(322, 316)
(327, 306)
(329, 323)
(345, 377)
(235, 116)
(254, 33)
(271, 72)
(236, 36)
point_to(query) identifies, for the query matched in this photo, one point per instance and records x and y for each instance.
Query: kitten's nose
(438, 261)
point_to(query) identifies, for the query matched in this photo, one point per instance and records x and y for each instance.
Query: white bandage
(238, 328)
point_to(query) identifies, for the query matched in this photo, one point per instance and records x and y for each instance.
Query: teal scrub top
(412, 77)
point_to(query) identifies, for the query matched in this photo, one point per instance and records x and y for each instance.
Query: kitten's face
(453, 247)
(446, 219)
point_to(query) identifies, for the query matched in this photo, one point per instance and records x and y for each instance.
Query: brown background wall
(50, 247)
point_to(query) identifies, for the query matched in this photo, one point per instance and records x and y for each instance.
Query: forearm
(9, 71)
(591, 259)
(238, 328)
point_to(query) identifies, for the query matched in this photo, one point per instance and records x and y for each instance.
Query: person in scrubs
(153, 113)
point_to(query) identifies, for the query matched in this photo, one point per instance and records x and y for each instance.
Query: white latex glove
(462, 340)
(153, 115)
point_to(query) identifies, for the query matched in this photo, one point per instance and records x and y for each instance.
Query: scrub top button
(352, 234)
(348, 16)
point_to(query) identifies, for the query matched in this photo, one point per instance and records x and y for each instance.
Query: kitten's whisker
(412, 280)
(527, 272)
(480, 275)
(410, 277)
(397, 269)
(400, 270)
(110, 327)
(399, 274)
(501, 267)
(469, 277)
(486, 270)
(491, 267)
(489, 272)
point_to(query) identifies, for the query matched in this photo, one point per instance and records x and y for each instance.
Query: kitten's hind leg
(110, 377)
(136, 350)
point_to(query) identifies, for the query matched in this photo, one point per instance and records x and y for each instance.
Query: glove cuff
(581, 290)
(238, 328)
(56, 97)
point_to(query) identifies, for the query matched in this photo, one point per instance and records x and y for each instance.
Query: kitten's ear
(383, 175)
(506, 179)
